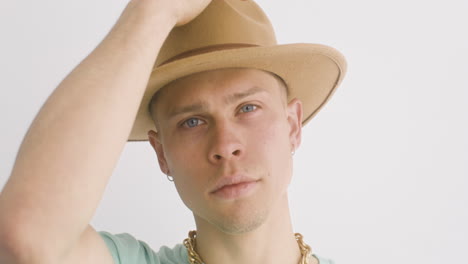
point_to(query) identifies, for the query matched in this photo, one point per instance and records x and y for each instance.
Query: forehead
(214, 85)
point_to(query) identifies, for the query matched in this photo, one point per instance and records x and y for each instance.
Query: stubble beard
(241, 224)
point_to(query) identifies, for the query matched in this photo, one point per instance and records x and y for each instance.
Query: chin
(241, 222)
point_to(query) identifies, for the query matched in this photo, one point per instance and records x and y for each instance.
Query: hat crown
(224, 24)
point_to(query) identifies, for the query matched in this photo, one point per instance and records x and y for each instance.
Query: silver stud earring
(292, 153)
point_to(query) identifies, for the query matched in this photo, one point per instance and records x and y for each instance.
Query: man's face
(226, 126)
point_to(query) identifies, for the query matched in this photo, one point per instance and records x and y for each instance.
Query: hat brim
(312, 73)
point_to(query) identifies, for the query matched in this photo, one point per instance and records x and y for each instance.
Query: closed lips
(225, 182)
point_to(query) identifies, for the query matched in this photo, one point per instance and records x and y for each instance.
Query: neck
(272, 242)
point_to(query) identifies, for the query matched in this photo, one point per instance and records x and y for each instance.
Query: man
(223, 110)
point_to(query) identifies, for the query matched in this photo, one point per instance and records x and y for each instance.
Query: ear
(294, 112)
(155, 141)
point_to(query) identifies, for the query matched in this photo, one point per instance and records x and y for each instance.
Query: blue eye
(248, 108)
(192, 122)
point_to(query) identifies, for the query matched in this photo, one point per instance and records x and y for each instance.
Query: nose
(225, 144)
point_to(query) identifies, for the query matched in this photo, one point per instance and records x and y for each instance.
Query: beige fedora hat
(238, 34)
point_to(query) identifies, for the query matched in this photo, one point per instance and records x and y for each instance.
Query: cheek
(186, 192)
(180, 156)
(272, 138)
(272, 144)
(185, 167)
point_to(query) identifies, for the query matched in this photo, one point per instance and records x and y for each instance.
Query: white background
(381, 176)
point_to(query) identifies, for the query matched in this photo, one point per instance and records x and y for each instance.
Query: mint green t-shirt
(126, 249)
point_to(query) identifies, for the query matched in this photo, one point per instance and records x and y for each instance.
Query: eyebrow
(238, 96)
(202, 106)
(196, 107)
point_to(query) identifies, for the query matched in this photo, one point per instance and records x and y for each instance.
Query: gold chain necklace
(194, 258)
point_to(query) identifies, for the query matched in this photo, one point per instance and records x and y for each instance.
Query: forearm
(74, 143)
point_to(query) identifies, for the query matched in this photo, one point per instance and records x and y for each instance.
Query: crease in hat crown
(224, 24)
(238, 34)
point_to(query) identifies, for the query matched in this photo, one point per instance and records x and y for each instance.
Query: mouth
(229, 188)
